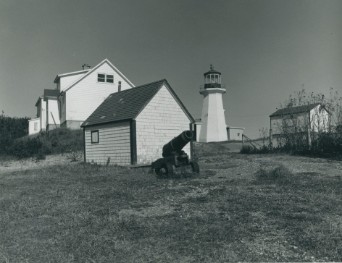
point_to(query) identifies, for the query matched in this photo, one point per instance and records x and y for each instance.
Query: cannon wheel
(165, 170)
(195, 167)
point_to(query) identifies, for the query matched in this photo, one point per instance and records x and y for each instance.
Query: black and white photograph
(170, 131)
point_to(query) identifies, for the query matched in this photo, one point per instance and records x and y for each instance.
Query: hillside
(240, 208)
(58, 141)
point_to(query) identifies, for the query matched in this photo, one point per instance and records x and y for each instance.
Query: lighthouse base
(214, 128)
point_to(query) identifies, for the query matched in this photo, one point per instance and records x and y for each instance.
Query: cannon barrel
(177, 143)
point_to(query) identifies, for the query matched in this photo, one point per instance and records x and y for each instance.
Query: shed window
(95, 136)
(101, 77)
(35, 126)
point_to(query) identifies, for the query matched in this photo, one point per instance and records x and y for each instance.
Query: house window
(105, 78)
(35, 126)
(95, 136)
(101, 77)
(110, 78)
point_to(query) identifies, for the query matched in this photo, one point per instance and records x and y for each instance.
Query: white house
(76, 96)
(131, 126)
(307, 119)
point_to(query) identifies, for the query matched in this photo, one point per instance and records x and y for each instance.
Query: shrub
(247, 149)
(75, 156)
(40, 156)
(24, 148)
(64, 140)
(53, 142)
(263, 149)
(327, 143)
(10, 130)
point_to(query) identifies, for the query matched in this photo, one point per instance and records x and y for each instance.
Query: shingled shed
(131, 126)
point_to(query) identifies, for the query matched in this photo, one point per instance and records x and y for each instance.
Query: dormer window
(110, 78)
(101, 77)
(105, 78)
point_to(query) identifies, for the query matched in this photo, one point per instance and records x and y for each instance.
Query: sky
(265, 49)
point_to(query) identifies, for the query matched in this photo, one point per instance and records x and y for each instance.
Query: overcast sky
(265, 49)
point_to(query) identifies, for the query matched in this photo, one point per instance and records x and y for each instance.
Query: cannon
(174, 157)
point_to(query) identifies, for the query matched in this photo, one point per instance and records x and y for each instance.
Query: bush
(40, 156)
(24, 148)
(53, 142)
(327, 143)
(10, 130)
(248, 149)
(64, 140)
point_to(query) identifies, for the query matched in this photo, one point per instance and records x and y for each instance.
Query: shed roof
(127, 104)
(294, 110)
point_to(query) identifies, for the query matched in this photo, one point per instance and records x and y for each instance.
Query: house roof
(70, 74)
(51, 93)
(96, 67)
(127, 104)
(38, 100)
(294, 110)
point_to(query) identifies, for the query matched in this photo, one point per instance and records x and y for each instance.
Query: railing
(211, 86)
(248, 140)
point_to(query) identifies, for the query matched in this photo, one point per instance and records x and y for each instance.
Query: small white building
(235, 133)
(132, 126)
(34, 126)
(306, 119)
(76, 96)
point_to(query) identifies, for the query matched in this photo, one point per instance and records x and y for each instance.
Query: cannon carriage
(174, 157)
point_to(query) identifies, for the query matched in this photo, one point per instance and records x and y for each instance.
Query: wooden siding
(34, 126)
(235, 133)
(66, 81)
(114, 143)
(42, 114)
(160, 121)
(292, 122)
(88, 94)
(52, 110)
(62, 108)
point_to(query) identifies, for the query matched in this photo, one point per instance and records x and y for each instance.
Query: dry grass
(244, 208)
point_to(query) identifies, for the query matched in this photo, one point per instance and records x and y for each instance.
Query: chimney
(85, 66)
(119, 86)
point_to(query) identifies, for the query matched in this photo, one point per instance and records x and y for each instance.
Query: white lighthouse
(213, 128)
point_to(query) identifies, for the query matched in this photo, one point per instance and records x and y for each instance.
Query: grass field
(240, 208)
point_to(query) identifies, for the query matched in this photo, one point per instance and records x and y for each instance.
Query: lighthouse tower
(213, 128)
